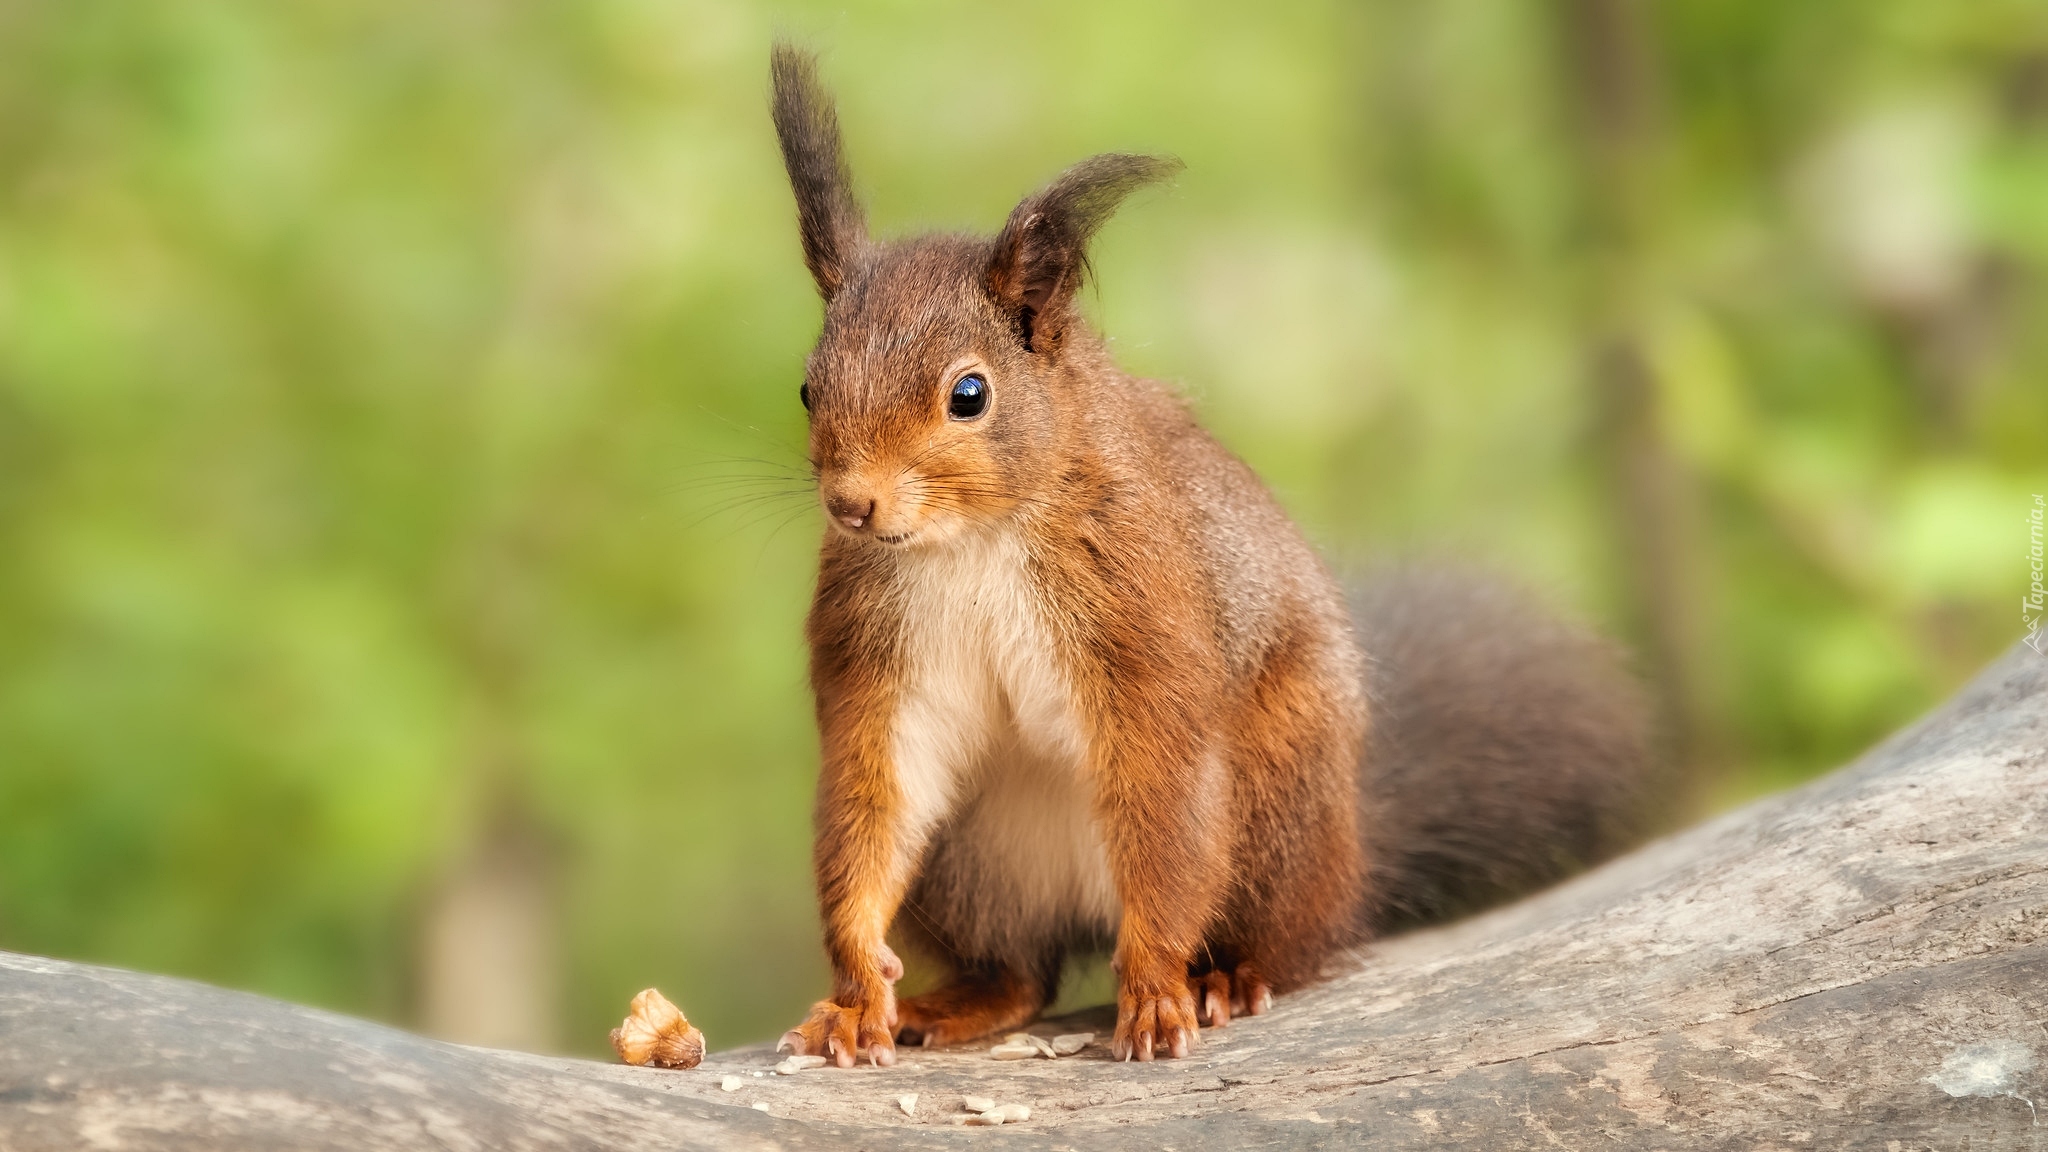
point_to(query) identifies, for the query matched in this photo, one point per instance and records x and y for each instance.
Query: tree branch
(1860, 961)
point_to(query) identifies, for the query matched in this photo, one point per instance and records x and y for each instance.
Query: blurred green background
(400, 578)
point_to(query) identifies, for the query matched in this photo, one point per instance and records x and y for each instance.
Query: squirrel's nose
(852, 511)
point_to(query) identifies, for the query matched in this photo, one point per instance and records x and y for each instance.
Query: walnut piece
(657, 1034)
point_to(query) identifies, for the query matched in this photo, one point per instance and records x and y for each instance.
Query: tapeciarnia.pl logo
(2032, 608)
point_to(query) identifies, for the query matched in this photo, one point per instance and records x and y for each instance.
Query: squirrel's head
(935, 388)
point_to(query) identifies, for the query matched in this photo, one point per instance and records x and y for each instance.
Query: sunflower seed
(907, 1102)
(977, 1103)
(1072, 1042)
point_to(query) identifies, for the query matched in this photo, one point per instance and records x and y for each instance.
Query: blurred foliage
(397, 407)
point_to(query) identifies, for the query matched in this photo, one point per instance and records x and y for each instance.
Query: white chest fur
(988, 741)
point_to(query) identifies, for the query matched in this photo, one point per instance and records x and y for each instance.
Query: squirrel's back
(1507, 747)
(1264, 576)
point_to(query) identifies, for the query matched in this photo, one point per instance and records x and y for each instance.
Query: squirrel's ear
(828, 217)
(1041, 254)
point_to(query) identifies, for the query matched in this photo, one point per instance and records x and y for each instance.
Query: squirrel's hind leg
(1297, 860)
(972, 1005)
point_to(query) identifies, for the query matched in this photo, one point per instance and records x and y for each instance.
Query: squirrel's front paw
(842, 1033)
(1151, 1016)
(856, 1023)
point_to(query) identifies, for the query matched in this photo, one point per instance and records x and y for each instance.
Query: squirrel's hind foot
(1242, 991)
(967, 1009)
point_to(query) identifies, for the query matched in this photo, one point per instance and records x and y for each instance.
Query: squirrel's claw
(1248, 987)
(1215, 999)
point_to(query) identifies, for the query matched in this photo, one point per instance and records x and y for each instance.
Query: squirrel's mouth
(898, 538)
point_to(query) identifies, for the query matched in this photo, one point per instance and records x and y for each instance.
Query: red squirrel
(1082, 685)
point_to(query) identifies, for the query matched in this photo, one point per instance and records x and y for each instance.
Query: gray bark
(1860, 963)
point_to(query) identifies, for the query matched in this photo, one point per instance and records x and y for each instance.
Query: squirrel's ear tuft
(1041, 255)
(828, 217)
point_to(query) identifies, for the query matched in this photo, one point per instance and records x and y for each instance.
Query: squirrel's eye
(803, 393)
(969, 398)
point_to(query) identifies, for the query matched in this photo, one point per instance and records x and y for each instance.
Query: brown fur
(1508, 748)
(1080, 682)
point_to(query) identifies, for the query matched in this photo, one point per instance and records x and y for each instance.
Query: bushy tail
(1507, 747)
